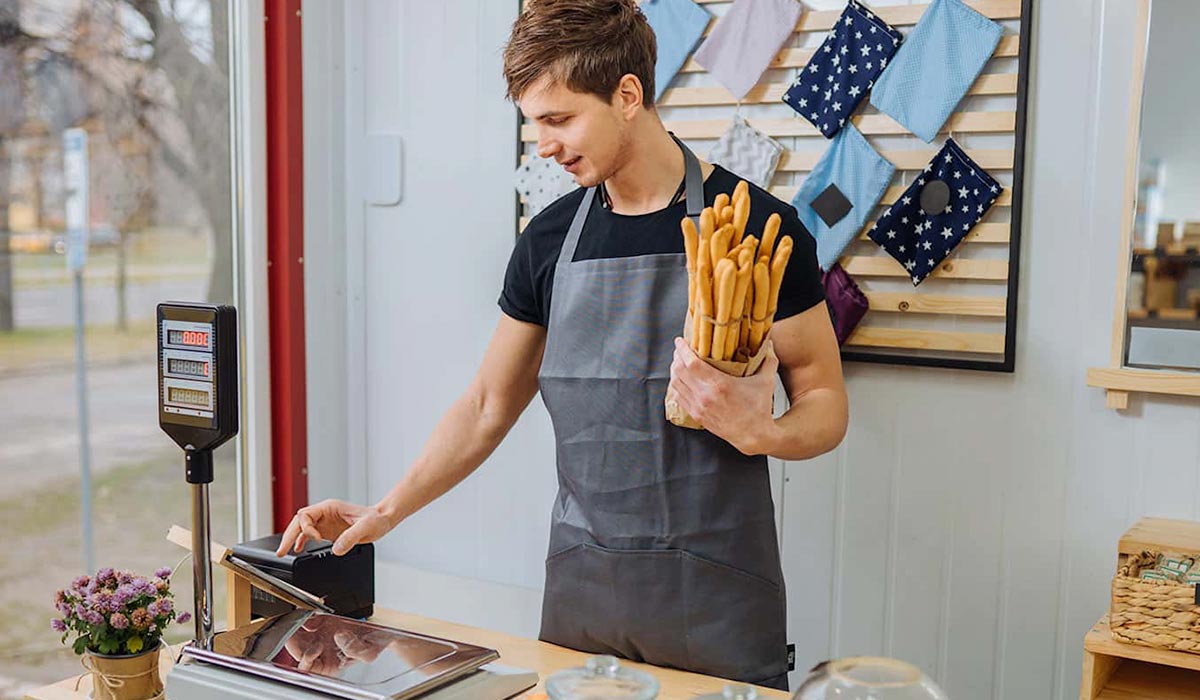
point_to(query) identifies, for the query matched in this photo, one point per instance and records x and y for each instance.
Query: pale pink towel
(746, 39)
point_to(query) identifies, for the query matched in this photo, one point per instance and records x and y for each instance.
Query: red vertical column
(285, 259)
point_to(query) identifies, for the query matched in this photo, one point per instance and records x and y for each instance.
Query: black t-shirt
(530, 276)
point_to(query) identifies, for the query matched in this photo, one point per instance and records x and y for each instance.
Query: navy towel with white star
(936, 212)
(843, 69)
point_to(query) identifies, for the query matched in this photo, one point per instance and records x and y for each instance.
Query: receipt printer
(346, 583)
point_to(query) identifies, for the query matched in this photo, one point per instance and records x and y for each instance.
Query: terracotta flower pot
(127, 677)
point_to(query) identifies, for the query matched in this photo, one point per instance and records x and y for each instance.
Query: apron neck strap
(693, 180)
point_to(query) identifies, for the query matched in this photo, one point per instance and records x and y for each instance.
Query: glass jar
(868, 678)
(602, 678)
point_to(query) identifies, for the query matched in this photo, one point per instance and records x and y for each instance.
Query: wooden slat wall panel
(710, 107)
(871, 337)
(798, 58)
(771, 93)
(869, 124)
(916, 303)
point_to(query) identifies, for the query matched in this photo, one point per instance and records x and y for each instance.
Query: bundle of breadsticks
(733, 288)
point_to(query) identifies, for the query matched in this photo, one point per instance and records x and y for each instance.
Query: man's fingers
(353, 534)
(289, 536)
(308, 530)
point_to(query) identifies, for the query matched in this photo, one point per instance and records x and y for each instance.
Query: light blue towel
(853, 168)
(935, 66)
(678, 26)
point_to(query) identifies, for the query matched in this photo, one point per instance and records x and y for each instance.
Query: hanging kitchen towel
(541, 181)
(936, 212)
(748, 152)
(936, 66)
(847, 304)
(843, 70)
(835, 199)
(745, 41)
(678, 26)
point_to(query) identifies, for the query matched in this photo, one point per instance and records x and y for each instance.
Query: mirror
(1162, 314)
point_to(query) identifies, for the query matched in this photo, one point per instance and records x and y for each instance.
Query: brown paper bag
(680, 417)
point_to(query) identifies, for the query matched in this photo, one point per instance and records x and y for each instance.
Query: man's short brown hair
(586, 45)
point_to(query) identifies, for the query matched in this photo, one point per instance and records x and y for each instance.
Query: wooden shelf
(1173, 314)
(1121, 380)
(1113, 670)
(1137, 680)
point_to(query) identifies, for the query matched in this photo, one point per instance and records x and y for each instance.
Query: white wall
(969, 521)
(1171, 103)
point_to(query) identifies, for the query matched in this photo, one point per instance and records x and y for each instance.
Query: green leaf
(134, 644)
(80, 645)
(109, 646)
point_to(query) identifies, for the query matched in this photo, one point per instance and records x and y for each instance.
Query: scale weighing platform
(306, 654)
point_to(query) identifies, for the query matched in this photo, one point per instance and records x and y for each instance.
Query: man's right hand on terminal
(345, 524)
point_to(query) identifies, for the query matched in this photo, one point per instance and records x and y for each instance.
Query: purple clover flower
(123, 595)
(163, 573)
(183, 617)
(79, 582)
(93, 618)
(118, 621)
(58, 625)
(162, 606)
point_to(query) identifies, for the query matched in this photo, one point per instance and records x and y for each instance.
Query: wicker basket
(1161, 614)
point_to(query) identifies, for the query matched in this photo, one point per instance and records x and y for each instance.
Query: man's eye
(557, 121)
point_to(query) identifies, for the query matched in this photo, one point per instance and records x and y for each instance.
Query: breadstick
(739, 302)
(770, 231)
(747, 259)
(704, 306)
(725, 283)
(708, 222)
(778, 266)
(701, 329)
(741, 214)
(691, 241)
(720, 202)
(741, 191)
(762, 296)
(719, 247)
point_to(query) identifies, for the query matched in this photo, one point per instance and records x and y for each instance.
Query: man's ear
(628, 96)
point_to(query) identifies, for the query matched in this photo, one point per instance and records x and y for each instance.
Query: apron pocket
(736, 621)
(665, 607)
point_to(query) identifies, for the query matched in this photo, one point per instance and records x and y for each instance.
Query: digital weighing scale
(306, 654)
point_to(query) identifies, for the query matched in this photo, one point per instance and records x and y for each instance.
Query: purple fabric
(847, 303)
(745, 41)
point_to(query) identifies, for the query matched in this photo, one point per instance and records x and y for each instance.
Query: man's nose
(548, 148)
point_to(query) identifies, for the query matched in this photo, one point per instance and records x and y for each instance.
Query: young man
(663, 546)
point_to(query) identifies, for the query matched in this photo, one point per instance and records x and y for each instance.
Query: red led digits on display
(195, 338)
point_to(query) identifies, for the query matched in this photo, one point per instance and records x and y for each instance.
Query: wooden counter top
(514, 651)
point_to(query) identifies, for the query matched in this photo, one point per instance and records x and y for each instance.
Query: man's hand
(346, 524)
(736, 409)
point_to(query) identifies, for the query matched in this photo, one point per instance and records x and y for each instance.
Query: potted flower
(118, 619)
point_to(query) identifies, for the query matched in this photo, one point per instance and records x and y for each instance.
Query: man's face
(582, 132)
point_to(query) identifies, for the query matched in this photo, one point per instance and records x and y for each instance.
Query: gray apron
(662, 540)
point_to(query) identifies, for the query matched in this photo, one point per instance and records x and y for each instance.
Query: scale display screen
(191, 339)
(187, 368)
(190, 397)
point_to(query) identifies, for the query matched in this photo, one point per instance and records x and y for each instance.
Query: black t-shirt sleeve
(520, 298)
(801, 288)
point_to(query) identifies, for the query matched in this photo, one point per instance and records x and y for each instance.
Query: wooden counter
(514, 651)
